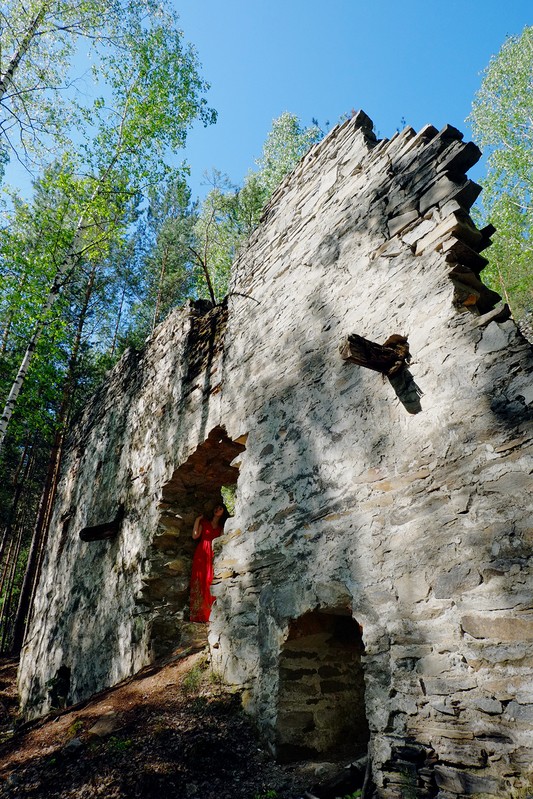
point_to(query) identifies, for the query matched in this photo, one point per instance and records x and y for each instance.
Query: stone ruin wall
(373, 584)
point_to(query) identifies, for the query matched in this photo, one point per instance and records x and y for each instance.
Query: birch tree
(285, 144)
(155, 94)
(502, 118)
(41, 91)
(166, 263)
(229, 213)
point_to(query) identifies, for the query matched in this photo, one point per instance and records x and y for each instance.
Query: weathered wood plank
(101, 532)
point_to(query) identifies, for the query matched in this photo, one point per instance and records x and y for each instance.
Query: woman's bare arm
(197, 529)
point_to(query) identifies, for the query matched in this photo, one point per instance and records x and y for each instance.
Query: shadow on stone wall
(312, 585)
(419, 520)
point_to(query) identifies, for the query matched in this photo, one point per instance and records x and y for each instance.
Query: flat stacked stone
(416, 526)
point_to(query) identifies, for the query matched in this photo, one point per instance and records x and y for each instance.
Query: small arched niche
(321, 697)
(195, 488)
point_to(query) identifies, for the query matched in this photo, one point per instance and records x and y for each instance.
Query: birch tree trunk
(6, 79)
(68, 263)
(42, 525)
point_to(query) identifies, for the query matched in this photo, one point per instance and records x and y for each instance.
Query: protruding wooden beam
(101, 532)
(390, 359)
(387, 358)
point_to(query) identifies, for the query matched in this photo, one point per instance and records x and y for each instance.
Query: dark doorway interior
(321, 700)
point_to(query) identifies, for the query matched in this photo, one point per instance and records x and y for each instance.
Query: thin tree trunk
(38, 547)
(6, 610)
(16, 58)
(5, 569)
(3, 543)
(42, 526)
(24, 460)
(9, 321)
(205, 261)
(18, 485)
(23, 369)
(503, 286)
(5, 334)
(72, 256)
(160, 289)
(69, 261)
(205, 269)
(26, 592)
(119, 317)
(27, 461)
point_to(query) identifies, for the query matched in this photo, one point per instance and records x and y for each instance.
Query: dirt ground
(171, 731)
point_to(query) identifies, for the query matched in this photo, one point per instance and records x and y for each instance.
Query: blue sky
(419, 60)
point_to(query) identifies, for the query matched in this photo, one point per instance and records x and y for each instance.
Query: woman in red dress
(202, 563)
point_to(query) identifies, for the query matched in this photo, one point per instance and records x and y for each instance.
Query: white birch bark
(7, 78)
(71, 258)
(69, 261)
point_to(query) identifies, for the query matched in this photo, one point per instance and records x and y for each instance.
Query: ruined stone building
(372, 586)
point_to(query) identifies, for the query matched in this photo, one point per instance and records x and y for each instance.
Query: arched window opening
(207, 477)
(321, 699)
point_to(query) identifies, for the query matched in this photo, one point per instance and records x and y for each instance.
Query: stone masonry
(373, 586)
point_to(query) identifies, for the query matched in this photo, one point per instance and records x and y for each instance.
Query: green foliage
(187, 249)
(266, 795)
(39, 233)
(286, 143)
(42, 98)
(249, 203)
(153, 94)
(215, 238)
(192, 681)
(116, 744)
(502, 118)
(159, 271)
(156, 94)
(15, 590)
(229, 214)
(228, 497)
(216, 679)
(74, 728)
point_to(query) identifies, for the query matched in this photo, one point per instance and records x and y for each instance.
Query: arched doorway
(195, 487)
(321, 696)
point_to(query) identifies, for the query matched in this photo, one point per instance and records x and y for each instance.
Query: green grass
(192, 681)
(119, 744)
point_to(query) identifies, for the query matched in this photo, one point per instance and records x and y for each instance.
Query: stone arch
(321, 692)
(194, 488)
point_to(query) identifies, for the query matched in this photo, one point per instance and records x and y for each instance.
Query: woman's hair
(224, 516)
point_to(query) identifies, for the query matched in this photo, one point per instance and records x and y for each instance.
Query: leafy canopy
(230, 213)
(50, 52)
(286, 143)
(502, 118)
(151, 93)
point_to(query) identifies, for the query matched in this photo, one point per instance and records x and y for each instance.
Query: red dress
(202, 572)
